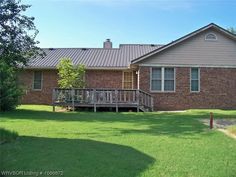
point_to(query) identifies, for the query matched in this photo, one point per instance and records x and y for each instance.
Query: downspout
(137, 72)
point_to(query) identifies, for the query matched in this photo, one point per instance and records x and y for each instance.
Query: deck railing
(103, 98)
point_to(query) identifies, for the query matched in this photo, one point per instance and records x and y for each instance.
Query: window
(210, 37)
(37, 83)
(156, 79)
(169, 81)
(127, 79)
(195, 80)
(163, 79)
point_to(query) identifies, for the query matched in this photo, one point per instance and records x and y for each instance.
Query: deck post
(94, 101)
(116, 100)
(152, 104)
(137, 96)
(53, 99)
(73, 99)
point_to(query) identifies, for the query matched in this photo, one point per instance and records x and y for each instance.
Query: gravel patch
(220, 123)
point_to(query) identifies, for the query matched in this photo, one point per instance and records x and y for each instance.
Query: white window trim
(41, 83)
(210, 39)
(123, 78)
(162, 80)
(199, 78)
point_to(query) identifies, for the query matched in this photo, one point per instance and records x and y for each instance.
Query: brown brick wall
(38, 97)
(94, 79)
(218, 90)
(103, 79)
(106, 79)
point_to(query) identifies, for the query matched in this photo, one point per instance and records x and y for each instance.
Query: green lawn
(83, 144)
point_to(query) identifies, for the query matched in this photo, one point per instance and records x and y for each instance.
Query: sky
(87, 23)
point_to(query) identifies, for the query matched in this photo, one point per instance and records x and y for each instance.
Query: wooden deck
(112, 98)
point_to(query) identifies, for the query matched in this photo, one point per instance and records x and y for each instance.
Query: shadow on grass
(170, 127)
(37, 115)
(7, 136)
(171, 124)
(75, 157)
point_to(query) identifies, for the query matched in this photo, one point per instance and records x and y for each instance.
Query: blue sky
(87, 23)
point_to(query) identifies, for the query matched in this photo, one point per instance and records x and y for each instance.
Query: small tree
(70, 76)
(232, 30)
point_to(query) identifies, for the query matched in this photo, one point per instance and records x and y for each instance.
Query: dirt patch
(221, 125)
(225, 131)
(62, 109)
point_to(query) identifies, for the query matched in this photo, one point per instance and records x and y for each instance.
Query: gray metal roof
(93, 57)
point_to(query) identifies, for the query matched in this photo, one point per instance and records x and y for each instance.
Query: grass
(7, 136)
(232, 129)
(83, 144)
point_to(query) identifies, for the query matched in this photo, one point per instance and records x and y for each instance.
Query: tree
(9, 91)
(70, 76)
(17, 46)
(17, 34)
(232, 30)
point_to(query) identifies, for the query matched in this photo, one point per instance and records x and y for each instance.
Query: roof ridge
(141, 44)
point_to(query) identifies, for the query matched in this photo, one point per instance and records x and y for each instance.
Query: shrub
(10, 92)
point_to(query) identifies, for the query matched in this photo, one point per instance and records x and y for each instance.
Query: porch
(107, 98)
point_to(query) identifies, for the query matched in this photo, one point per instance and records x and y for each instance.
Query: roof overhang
(87, 68)
(189, 65)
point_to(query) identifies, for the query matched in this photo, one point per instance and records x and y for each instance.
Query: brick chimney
(107, 44)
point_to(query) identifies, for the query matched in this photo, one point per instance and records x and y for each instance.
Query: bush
(7, 136)
(10, 91)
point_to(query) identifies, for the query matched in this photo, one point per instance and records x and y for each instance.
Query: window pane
(128, 85)
(37, 75)
(156, 73)
(169, 85)
(37, 84)
(127, 82)
(37, 80)
(127, 76)
(194, 73)
(156, 85)
(194, 85)
(169, 74)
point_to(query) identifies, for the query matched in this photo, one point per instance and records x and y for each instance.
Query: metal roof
(93, 57)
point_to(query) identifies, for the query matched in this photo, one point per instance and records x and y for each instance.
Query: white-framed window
(162, 79)
(210, 37)
(38, 80)
(127, 80)
(195, 80)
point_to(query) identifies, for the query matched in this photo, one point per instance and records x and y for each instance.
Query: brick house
(195, 71)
